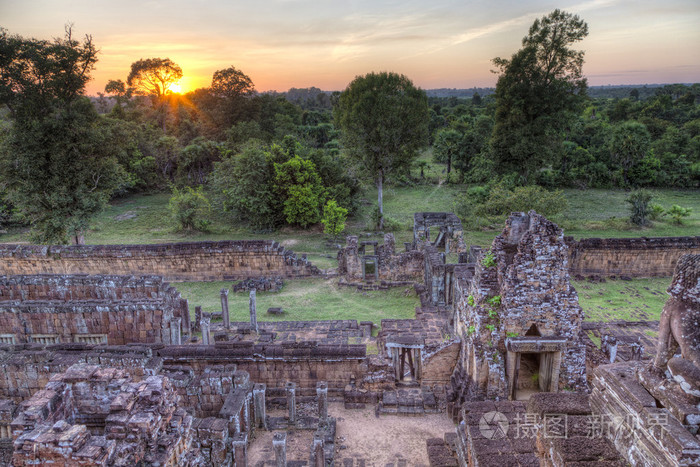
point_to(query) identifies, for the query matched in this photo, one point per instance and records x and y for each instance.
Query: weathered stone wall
(440, 229)
(122, 309)
(91, 415)
(391, 266)
(195, 261)
(633, 257)
(519, 289)
(27, 368)
(646, 428)
(274, 364)
(439, 366)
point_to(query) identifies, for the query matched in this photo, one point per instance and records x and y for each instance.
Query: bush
(333, 219)
(502, 201)
(639, 201)
(677, 213)
(189, 209)
(656, 212)
(302, 189)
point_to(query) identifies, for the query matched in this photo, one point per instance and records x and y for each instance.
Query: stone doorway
(405, 353)
(533, 365)
(528, 376)
(370, 271)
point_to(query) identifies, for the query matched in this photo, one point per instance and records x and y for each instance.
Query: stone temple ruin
(105, 369)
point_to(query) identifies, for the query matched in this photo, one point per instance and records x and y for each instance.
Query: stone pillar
(389, 244)
(366, 328)
(253, 312)
(175, 333)
(259, 405)
(224, 308)
(318, 455)
(197, 318)
(417, 364)
(291, 389)
(240, 449)
(279, 445)
(322, 394)
(204, 325)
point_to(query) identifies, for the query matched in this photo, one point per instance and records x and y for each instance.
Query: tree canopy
(384, 121)
(231, 83)
(538, 90)
(154, 76)
(56, 163)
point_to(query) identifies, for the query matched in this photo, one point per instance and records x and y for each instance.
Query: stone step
(412, 401)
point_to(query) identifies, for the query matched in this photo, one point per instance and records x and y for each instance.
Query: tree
(154, 76)
(333, 219)
(301, 187)
(231, 83)
(447, 147)
(384, 120)
(58, 163)
(232, 91)
(537, 94)
(629, 144)
(244, 185)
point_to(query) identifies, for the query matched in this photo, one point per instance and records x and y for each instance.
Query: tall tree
(231, 82)
(629, 144)
(384, 121)
(57, 163)
(154, 76)
(537, 94)
(233, 91)
(447, 147)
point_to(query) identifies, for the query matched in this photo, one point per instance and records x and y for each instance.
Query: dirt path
(361, 435)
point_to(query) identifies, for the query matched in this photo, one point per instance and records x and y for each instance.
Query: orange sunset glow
(283, 44)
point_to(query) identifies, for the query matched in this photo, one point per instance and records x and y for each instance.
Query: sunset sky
(302, 43)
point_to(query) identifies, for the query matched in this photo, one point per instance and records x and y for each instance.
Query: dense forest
(270, 159)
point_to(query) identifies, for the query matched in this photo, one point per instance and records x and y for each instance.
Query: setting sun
(176, 88)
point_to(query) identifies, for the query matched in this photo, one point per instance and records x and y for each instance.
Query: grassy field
(591, 213)
(306, 300)
(634, 300)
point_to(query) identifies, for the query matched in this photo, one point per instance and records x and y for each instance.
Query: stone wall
(390, 266)
(273, 364)
(439, 366)
(194, 261)
(518, 300)
(633, 257)
(90, 415)
(109, 309)
(439, 229)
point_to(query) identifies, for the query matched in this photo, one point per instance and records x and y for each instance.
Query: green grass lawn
(306, 300)
(591, 213)
(634, 300)
(604, 213)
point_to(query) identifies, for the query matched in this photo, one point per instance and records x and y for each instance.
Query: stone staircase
(408, 401)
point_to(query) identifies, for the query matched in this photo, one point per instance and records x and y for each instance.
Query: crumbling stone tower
(518, 316)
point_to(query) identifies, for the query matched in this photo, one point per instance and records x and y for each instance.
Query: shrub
(639, 201)
(677, 213)
(333, 219)
(656, 212)
(489, 260)
(189, 209)
(502, 201)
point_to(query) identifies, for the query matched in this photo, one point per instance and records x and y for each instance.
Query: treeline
(610, 142)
